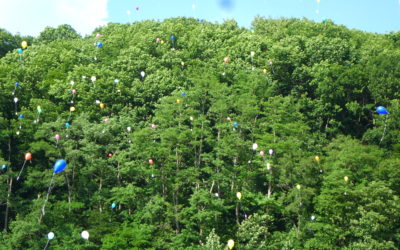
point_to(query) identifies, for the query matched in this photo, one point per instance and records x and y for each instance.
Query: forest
(187, 134)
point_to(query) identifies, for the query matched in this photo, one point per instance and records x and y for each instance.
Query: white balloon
(271, 151)
(128, 12)
(50, 236)
(312, 217)
(255, 146)
(129, 129)
(72, 82)
(252, 53)
(85, 235)
(142, 73)
(116, 81)
(15, 99)
(98, 102)
(93, 78)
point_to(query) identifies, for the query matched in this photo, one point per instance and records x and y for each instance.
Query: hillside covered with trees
(184, 134)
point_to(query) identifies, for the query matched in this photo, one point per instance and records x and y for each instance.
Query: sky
(30, 17)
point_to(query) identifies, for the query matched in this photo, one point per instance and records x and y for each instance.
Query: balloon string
(45, 247)
(23, 165)
(384, 130)
(47, 198)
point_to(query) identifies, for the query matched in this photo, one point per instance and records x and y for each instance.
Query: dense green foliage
(316, 98)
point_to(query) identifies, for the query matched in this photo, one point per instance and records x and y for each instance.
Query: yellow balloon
(317, 159)
(24, 44)
(318, 1)
(102, 105)
(298, 186)
(239, 195)
(346, 179)
(182, 63)
(231, 244)
(191, 118)
(178, 101)
(265, 71)
(72, 109)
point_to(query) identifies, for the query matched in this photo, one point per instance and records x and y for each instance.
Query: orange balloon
(28, 156)
(151, 162)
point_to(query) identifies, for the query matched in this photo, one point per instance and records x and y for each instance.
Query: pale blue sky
(30, 17)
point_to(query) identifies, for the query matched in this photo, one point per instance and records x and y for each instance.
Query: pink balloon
(270, 62)
(98, 35)
(153, 126)
(158, 40)
(57, 137)
(262, 153)
(73, 91)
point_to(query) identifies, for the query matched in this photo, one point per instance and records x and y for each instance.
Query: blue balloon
(235, 124)
(226, 4)
(59, 166)
(381, 110)
(172, 38)
(99, 44)
(3, 167)
(20, 50)
(21, 116)
(113, 205)
(201, 20)
(183, 93)
(67, 124)
(16, 84)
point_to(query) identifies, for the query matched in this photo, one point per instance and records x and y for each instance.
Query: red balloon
(151, 162)
(28, 156)
(137, 8)
(110, 155)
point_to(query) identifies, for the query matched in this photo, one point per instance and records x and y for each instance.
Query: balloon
(85, 235)
(3, 167)
(265, 71)
(239, 195)
(128, 12)
(39, 109)
(73, 91)
(67, 124)
(128, 129)
(252, 53)
(137, 8)
(172, 38)
(229, 119)
(72, 109)
(102, 105)
(24, 44)
(226, 59)
(15, 99)
(151, 162)
(235, 124)
(116, 81)
(268, 166)
(106, 120)
(381, 110)
(93, 78)
(50, 236)
(59, 166)
(110, 155)
(346, 179)
(113, 205)
(99, 44)
(262, 153)
(182, 63)
(98, 102)
(255, 146)
(226, 5)
(16, 84)
(28, 156)
(178, 101)
(270, 62)
(191, 118)
(298, 186)
(316, 158)
(158, 40)
(98, 35)
(21, 116)
(20, 51)
(312, 217)
(231, 244)
(270, 152)
(153, 126)
(57, 137)
(142, 73)
(318, 1)
(183, 94)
